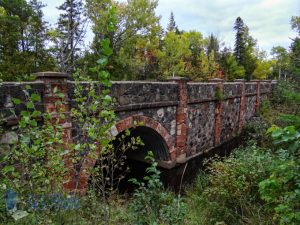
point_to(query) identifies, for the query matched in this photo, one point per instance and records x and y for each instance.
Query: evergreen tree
(244, 48)
(70, 34)
(38, 36)
(172, 24)
(213, 44)
(240, 42)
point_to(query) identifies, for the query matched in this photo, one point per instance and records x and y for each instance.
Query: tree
(281, 58)
(212, 65)
(213, 44)
(295, 47)
(240, 41)
(38, 35)
(230, 67)
(22, 39)
(173, 57)
(172, 24)
(196, 45)
(263, 69)
(135, 41)
(69, 34)
(244, 48)
(295, 21)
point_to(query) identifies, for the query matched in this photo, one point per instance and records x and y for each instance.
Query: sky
(268, 20)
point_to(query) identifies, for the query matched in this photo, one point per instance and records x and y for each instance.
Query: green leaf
(103, 61)
(30, 105)
(16, 101)
(36, 113)
(25, 113)
(35, 97)
(60, 95)
(77, 147)
(8, 169)
(105, 47)
(103, 75)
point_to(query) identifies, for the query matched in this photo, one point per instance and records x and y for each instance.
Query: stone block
(9, 138)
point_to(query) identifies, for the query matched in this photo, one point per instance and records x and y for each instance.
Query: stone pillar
(242, 103)
(181, 118)
(257, 103)
(218, 110)
(56, 89)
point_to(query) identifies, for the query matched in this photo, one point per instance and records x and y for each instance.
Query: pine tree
(244, 48)
(213, 45)
(240, 42)
(172, 27)
(38, 37)
(71, 28)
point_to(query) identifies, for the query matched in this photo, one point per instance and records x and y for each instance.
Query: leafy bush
(265, 111)
(255, 129)
(35, 162)
(151, 204)
(285, 120)
(287, 138)
(281, 190)
(286, 97)
(229, 193)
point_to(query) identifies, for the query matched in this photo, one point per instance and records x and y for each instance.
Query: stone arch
(131, 121)
(122, 125)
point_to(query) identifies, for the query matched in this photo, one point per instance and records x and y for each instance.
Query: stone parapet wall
(191, 117)
(212, 121)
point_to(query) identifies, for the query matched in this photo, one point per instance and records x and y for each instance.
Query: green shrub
(229, 193)
(285, 120)
(281, 190)
(265, 111)
(151, 204)
(255, 129)
(286, 97)
(287, 138)
(219, 94)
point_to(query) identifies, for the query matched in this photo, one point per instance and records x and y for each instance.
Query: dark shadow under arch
(135, 159)
(152, 142)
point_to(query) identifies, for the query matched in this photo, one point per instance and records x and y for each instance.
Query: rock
(160, 113)
(9, 138)
(173, 127)
(8, 103)
(181, 158)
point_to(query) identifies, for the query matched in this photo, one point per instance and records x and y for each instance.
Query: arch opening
(152, 141)
(135, 164)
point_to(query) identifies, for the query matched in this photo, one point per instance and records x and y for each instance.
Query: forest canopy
(142, 48)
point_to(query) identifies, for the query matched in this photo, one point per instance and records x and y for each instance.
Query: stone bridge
(181, 119)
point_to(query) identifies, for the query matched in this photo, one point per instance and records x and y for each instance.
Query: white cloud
(268, 20)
